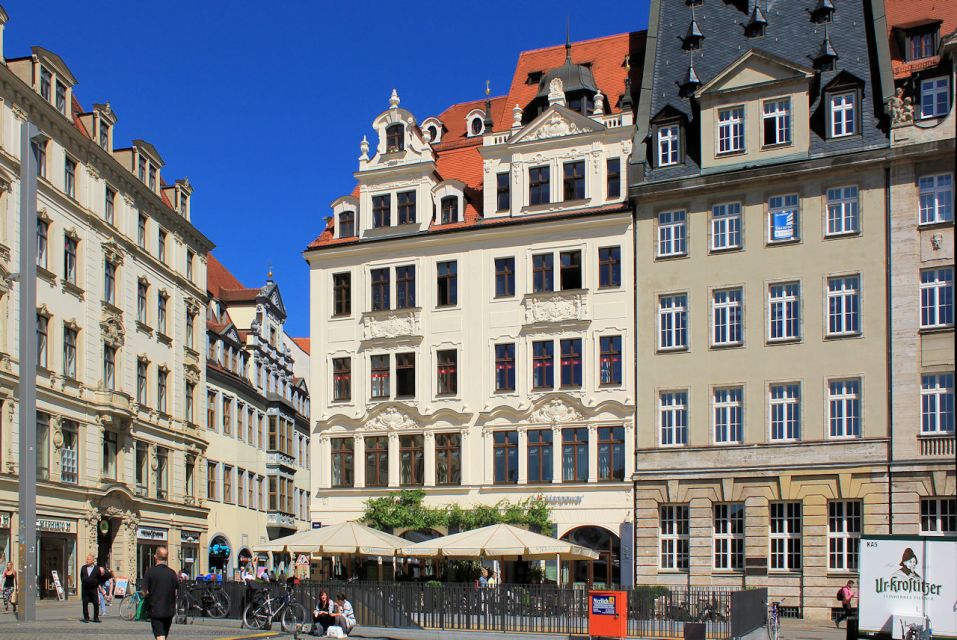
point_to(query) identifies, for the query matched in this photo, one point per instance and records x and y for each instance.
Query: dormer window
(843, 114)
(731, 130)
(433, 132)
(152, 182)
(777, 122)
(61, 97)
(347, 224)
(668, 145)
(183, 203)
(141, 169)
(46, 83)
(476, 126)
(450, 209)
(104, 134)
(394, 138)
(922, 43)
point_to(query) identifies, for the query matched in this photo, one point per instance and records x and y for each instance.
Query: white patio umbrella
(344, 539)
(501, 542)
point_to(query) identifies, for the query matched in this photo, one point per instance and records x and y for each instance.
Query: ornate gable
(556, 122)
(270, 293)
(754, 68)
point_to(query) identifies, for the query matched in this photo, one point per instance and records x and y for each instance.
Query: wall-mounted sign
(4, 520)
(150, 533)
(55, 525)
(317, 525)
(560, 500)
(189, 537)
(783, 225)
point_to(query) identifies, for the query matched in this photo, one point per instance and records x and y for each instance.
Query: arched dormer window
(450, 209)
(347, 224)
(433, 132)
(394, 138)
(476, 126)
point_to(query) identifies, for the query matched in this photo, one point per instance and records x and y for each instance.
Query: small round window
(476, 126)
(433, 132)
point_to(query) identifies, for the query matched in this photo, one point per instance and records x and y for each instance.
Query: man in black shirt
(90, 576)
(160, 585)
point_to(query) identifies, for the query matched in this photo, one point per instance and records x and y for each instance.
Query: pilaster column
(488, 454)
(325, 462)
(466, 472)
(429, 444)
(395, 462)
(522, 456)
(556, 455)
(592, 453)
(359, 460)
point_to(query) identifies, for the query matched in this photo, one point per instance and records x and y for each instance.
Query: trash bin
(695, 631)
(851, 628)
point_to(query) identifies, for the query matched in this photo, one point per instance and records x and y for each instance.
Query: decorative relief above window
(555, 306)
(390, 420)
(390, 324)
(556, 411)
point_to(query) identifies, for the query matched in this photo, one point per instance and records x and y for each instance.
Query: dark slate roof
(790, 35)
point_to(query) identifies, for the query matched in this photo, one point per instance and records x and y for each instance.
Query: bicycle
(260, 615)
(774, 620)
(710, 611)
(914, 631)
(211, 601)
(130, 604)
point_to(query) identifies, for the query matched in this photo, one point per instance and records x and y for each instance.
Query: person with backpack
(844, 595)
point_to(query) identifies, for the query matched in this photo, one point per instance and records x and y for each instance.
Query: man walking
(160, 585)
(90, 576)
(845, 595)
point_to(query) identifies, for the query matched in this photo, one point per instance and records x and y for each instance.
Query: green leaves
(405, 510)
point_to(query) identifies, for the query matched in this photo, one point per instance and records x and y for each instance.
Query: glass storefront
(189, 553)
(148, 540)
(5, 556)
(56, 551)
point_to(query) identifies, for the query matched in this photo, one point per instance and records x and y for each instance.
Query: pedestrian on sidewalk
(106, 589)
(91, 575)
(9, 588)
(845, 595)
(160, 585)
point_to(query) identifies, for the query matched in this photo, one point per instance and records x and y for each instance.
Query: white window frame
(69, 456)
(784, 204)
(845, 522)
(727, 316)
(843, 211)
(727, 535)
(673, 322)
(731, 131)
(673, 418)
(844, 405)
(784, 397)
(940, 514)
(726, 226)
(779, 110)
(785, 529)
(784, 311)
(934, 92)
(669, 145)
(674, 540)
(936, 197)
(937, 403)
(672, 233)
(843, 305)
(843, 114)
(727, 414)
(937, 298)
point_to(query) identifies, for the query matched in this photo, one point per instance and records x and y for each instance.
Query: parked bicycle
(711, 611)
(774, 619)
(260, 614)
(130, 604)
(209, 600)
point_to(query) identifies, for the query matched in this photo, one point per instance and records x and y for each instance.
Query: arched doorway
(245, 557)
(219, 552)
(606, 569)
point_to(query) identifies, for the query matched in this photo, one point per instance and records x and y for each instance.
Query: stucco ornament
(114, 334)
(556, 411)
(517, 117)
(555, 127)
(555, 308)
(556, 92)
(599, 104)
(391, 326)
(391, 419)
(900, 108)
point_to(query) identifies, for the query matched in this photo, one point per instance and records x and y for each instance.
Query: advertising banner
(908, 577)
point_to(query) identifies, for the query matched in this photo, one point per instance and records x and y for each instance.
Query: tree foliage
(405, 510)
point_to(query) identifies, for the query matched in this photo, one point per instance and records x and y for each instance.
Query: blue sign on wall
(603, 605)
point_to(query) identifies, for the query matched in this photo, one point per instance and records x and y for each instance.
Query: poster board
(908, 577)
(56, 584)
(120, 587)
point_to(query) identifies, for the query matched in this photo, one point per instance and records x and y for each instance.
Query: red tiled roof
(77, 123)
(218, 277)
(456, 128)
(303, 343)
(902, 13)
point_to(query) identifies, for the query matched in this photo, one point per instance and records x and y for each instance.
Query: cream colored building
(257, 417)
(120, 297)
(472, 299)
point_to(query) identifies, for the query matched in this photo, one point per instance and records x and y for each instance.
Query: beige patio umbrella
(500, 542)
(344, 539)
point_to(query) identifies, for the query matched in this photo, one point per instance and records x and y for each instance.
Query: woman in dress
(9, 588)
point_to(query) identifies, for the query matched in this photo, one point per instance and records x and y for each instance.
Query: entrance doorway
(56, 553)
(145, 553)
(106, 531)
(606, 570)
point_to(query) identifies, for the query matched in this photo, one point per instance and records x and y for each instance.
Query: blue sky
(263, 104)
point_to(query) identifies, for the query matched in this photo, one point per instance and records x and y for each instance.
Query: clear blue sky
(263, 104)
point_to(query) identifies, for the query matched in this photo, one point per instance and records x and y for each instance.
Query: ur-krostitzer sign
(908, 576)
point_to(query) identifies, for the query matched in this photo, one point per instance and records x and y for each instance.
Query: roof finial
(269, 273)
(394, 100)
(487, 120)
(568, 39)
(488, 87)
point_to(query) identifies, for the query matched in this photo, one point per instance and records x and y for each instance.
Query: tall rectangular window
(543, 278)
(447, 286)
(777, 122)
(609, 364)
(69, 351)
(673, 322)
(575, 454)
(785, 536)
(405, 375)
(504, 277)
(108, 455)
(505, 367)
(211, 482)
(571, 270)
(377, 461)
(161, 245)
(937, 298)
(141, 301)
(161, 474)
(611, 454)
(671, 234)
(784, 311)
(40, 155)
(190, 328)
(785, 411)
(539, 186)
(449, 209)
(342, 294)
(162, 379)
(162, 303)
(571, 364)
(43, 230)
(783, 222)
(934, 97)
(543, 364)
(613, 178)
(411, 460)
(938, 516)
(341, 379)
(405, 202)
(843, 535)
(141, 232)
(505, 456)
(609, 267)
(673, 418)
(843, 207)
(69, 177)
(381, 211)
(380, 289)
(189, 264)
(343, 462)
(936, 198)
(43, 446)
(46, 83)
(109, 206)
(70, 452)
(61, 97)
(669, 146)
(843, 114)
(573, 182)
(109, 367)
(405, 287)
(190, 393)
(726, 317)
(448, 458)
(380, 376)
(844, 408)
(43, 341)
(728, 536)
(69, 259)
(447, 377)
(347, 224)
(674, 537)
(502, 192)
(937, 403)
(726, 226)
(844, 306)
(539, 443)
(728, 407)
(104, 134)
(731, 130)
(142, 462)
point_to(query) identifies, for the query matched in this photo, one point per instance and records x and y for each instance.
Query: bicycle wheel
(293, 616)
(217, 606)
(251, 617)
(128, 607)
(183, 611)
